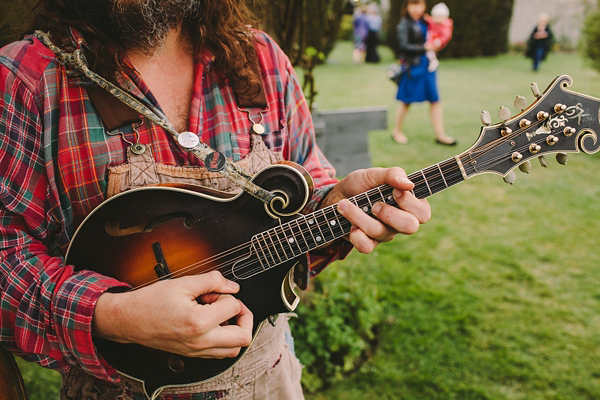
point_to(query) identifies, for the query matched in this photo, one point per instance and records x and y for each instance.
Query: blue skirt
(417, 84)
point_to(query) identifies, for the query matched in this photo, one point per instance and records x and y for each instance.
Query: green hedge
(591, 38)
(336, 325)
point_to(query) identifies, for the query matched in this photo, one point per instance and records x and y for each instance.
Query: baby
(439, 32)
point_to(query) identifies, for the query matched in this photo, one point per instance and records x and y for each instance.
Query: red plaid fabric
(54, 156)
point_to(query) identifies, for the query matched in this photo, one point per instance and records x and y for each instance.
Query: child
(439, 32)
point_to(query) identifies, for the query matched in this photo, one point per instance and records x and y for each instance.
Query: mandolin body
(152, 233)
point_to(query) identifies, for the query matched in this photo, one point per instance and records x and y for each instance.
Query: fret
(268, 250)
(285, 246)
(389, 197)
(334, 223)
(381, 194)
(322, 221)
(312, 222)
(368, 200)
(436, 181)
(274, 246)
(293, 241)
(362, 205)
(427, 183)
(256, 241)
(436, 178)
(300, 239)
(375, 197)
(442, 174)
(288, 241)
(309, 239)
(312, 242)
(452, 171)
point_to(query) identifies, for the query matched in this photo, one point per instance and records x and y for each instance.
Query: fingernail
(342, 206)
(397, 193)
(233, 285)
(402, 179)
(376, 208)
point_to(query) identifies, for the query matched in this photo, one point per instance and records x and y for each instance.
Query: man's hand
(166, 316)
(368, 232)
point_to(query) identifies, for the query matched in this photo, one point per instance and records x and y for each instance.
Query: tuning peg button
(510, 178)
(542, 115)
(562, 158)
(534, 148)
(559, 108)
(551, 140)
(543, 161)
(524, 123)
(503, 113)
(520, 103)
(516, 156)
(525, 167)
(569, 131)
(485, 117)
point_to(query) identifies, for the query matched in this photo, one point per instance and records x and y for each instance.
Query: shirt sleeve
(303, 149)
(45, 306)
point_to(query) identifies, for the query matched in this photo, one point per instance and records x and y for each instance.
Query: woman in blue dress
(417, 84)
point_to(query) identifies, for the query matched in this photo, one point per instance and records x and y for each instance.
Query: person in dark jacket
(540, 41)
(417, 84)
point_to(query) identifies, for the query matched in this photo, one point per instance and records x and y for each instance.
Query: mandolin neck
(308, 232)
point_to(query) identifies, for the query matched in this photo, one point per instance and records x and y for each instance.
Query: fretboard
(306, 233)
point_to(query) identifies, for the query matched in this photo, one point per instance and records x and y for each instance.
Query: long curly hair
(221, 26)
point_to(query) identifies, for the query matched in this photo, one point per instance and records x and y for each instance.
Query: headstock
(559, 121)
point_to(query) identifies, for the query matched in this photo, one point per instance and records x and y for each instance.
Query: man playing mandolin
(62, 153)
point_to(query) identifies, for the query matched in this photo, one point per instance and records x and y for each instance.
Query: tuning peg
(536, 90)
(485, 117)
(510, 178)
(503, 113)
(520, 103)
(562, 158)
(543, 161)
(525, 167)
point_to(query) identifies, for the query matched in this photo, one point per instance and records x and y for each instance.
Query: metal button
(189, 140)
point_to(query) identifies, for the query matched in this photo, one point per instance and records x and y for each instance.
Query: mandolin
(153, 233)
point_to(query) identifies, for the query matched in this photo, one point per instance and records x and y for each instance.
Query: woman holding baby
(419, 40)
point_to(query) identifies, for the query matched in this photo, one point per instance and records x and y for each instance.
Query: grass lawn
(498, 296)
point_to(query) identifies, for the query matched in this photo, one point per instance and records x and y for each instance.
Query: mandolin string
(514, 134)
(230, 262)
(258, 257)
(344, 222)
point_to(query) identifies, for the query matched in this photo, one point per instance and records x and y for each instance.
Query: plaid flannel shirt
(54, 156)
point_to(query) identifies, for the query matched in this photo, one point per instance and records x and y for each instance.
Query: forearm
(46, 309)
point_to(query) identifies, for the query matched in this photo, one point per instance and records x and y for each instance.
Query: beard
(140, 25)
